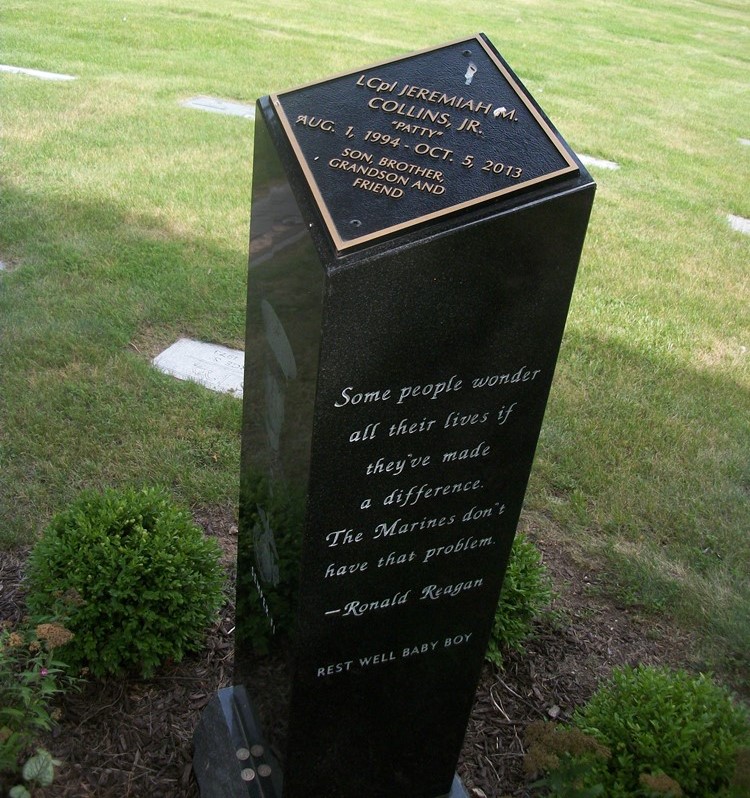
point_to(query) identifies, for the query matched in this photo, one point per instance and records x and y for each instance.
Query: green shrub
(567, 754)
(526, 590)
(667, 732)
(30, 677)
(133, 576)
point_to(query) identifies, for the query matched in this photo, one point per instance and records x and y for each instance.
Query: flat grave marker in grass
(216, 367)
(599, 163)
(217, 106)
(739, 223)
(35, 73)
(402, 337)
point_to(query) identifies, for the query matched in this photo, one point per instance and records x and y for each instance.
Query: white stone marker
(35, 73)
(217, 106)
(588, 160)
(216, 367)
(739, 223)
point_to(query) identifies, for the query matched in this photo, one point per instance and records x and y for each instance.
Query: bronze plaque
(402, 142)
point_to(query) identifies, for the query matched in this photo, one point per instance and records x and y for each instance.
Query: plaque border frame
(522, 95)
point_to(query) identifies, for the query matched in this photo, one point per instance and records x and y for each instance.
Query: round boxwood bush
(665, 727)
(526, 591)
(134, 578)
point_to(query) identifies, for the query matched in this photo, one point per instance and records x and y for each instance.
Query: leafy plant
(38, 770)
(132, 574)
(668, 734)
(526, 590)
(30, 677)
(567, 754)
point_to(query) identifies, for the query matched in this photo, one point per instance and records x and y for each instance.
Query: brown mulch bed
(126, 737)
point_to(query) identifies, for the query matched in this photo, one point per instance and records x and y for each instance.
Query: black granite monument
(416, 231)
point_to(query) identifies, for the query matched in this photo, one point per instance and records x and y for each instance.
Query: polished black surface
(394, 394)
(231, 759)
(284, 308)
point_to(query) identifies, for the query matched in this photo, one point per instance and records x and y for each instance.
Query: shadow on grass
(644, 458)
(95, 294)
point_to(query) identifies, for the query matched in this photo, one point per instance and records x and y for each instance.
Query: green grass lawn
(123, 220)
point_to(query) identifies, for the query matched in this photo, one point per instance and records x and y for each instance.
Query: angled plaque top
(400, 143)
